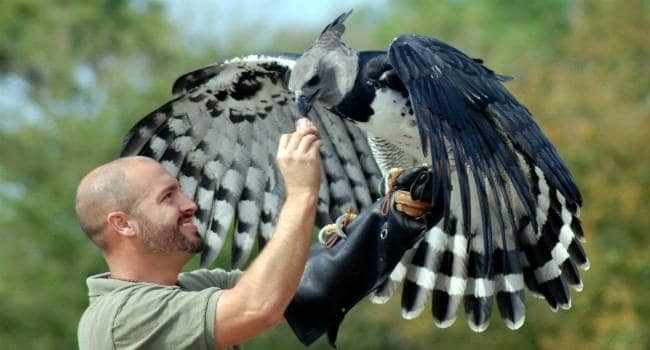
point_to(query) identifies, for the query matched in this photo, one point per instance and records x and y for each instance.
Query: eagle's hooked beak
(305, 102)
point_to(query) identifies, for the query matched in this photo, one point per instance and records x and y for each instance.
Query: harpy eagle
(511, 207)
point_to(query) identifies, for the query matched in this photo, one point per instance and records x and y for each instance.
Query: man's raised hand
(299, 160)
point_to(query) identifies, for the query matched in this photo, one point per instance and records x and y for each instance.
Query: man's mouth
(187, 224)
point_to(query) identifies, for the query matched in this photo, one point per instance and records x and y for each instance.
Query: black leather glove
(337, 276)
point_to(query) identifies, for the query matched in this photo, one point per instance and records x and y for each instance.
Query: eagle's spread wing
(511, 206)
(219, 135)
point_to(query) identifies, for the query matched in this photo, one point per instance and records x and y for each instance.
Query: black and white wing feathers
(219, 135)
(511, 205)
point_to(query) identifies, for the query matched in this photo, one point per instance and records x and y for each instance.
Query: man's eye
(167, 195)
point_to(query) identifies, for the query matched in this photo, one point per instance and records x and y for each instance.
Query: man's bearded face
(162, 237)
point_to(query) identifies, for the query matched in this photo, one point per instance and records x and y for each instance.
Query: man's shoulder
(97, 321)
(129, 295)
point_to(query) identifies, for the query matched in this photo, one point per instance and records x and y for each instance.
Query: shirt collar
(100, 284)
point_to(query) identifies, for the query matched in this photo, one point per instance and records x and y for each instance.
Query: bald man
(133, 209)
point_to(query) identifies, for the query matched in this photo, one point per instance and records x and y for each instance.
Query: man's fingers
(296, 137)
(315, 148)
(284, 141)
(294, 140)
(304, 124)
(304, 127)
(306, 142)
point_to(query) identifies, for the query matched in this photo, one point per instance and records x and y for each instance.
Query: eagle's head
(326, 71)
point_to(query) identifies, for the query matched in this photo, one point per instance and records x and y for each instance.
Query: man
(133, 209)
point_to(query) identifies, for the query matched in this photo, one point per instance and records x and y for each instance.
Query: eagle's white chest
(394, 120)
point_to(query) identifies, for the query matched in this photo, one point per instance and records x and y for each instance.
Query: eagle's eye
(313, 81)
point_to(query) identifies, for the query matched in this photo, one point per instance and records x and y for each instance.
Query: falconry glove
(342, 271)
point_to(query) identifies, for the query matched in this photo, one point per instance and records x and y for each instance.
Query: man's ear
(118, 220)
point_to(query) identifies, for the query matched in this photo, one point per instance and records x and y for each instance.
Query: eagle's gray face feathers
(326, 72)
(307, 84)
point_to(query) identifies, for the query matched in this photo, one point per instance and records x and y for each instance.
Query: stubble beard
(166, 238)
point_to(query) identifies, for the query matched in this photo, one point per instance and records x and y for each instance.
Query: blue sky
(204, 16)
(215, 21)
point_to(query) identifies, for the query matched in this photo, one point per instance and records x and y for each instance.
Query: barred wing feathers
(219, 135)
(511, 206)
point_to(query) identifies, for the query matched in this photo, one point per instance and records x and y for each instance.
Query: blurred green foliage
(92, 69)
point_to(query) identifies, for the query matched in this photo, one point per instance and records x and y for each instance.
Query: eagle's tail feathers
(422, 271)
(451, 280)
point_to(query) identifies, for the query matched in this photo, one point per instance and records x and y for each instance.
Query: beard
(166, 238)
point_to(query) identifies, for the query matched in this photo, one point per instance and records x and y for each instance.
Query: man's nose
(188, 205)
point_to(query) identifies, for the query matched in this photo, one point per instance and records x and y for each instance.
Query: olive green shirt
(138, 315)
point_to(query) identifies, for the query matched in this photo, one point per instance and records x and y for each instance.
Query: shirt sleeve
(203, 278)
(155, 317)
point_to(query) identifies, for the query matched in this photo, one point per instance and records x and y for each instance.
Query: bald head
(105, 189)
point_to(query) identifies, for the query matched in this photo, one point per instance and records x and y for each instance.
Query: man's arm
(258, 300)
